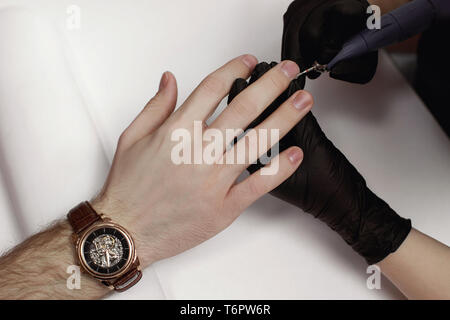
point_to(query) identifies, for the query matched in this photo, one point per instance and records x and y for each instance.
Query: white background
(78, 89)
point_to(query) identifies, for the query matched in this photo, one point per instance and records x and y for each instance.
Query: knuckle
(174, 128)
(255, 188)
(278, 81)
(123, 141)
(213, 84)
(242, 107)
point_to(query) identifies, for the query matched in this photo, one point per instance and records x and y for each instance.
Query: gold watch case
(105, 224)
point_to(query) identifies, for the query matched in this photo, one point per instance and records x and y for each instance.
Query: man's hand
(315, 30)
(170, 208)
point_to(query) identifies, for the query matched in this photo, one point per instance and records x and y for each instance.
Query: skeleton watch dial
(106, 250)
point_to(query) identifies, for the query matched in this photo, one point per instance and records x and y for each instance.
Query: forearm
(388, 5)
(37, 268)
(420, 268)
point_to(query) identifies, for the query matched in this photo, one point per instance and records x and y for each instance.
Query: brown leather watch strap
(127, 280)
(82, 216)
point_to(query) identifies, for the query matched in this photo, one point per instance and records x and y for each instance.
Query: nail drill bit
(316, 67)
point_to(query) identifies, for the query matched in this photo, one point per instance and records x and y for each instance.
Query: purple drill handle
(396, 26)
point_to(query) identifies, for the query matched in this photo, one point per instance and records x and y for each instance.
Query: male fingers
(242, 195)
(240, 84)
(251, 102)
(264, 136)
(260, 70)
(205, 98)
(155, 112)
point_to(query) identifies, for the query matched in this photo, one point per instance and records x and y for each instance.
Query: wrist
(119, 213)
(112, 209)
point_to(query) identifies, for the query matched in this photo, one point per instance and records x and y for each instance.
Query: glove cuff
(381, 230)
(361, 218)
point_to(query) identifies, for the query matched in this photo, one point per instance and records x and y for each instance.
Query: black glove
(431, 80)
(315, 30)
(329, 187)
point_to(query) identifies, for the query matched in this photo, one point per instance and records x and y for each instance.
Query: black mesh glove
(329, 187)
(315, 30)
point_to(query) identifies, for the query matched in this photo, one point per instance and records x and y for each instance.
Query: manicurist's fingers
(156, 111)
(238, 86)
(206, 97)
(256, 185)
(252, 101)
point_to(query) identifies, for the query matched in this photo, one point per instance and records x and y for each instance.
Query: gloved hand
(329, 187)
(315, 30)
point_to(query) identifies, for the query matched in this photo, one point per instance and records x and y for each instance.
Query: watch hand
(108, 262)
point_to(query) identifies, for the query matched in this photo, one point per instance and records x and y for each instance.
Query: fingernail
(164, 80)
(302, 100)
(249, 60)
(295, 155)
(290, 69)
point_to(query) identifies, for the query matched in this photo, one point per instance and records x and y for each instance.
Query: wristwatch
(105, 249)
